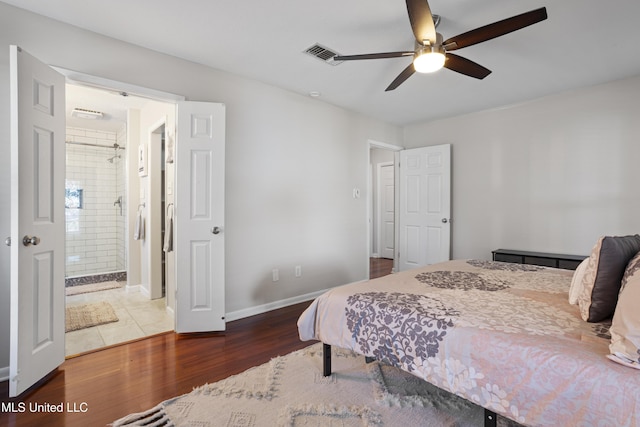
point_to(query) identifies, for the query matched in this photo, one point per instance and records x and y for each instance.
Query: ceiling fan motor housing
(426, 46)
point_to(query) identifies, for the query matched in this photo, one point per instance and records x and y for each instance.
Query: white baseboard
(132, 288)
(144, 291)
(259, 309)
(4, 373)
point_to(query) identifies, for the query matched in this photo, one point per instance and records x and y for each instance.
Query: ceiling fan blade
(465, 66)
(496, 29)
(373, 56)
(421, 20)
(404, 75)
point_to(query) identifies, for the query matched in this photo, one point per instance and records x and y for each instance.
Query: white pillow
(625, 326)
(576, 283)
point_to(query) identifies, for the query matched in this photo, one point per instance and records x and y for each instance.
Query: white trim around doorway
(384, 146)
(82, 79)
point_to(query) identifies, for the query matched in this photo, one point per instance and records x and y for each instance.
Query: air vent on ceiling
(83, 113)
(322, 53)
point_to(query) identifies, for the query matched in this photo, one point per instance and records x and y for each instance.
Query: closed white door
(199, 217)
(386, 211)
(425, 206)
(37, 220)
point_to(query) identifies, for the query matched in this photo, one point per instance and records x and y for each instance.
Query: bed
(501, 335)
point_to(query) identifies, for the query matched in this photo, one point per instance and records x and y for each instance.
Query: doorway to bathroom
(37, 143)
(104, 302)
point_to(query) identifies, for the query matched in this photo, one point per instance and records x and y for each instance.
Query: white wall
(134, 254)
(152, 116)
(289, 181)
(549, 175)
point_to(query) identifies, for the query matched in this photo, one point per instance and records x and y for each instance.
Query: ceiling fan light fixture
(429, 59)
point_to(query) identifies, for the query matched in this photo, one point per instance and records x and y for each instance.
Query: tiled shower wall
(95, 232)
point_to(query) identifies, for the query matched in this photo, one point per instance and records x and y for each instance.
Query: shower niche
(94, 196)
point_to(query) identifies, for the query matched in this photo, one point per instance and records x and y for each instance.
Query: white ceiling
(584, 42)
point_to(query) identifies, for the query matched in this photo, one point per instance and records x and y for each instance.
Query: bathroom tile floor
(138, 317)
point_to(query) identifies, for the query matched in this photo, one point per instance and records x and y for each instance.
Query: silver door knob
(216, 230)
(445, 220)
(30, 240)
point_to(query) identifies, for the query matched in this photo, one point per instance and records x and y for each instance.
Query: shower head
(115, 156)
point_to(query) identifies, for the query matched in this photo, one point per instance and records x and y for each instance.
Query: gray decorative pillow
(603, 276)
(625, 327)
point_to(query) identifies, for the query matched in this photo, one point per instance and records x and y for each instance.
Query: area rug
(88, 315)
(91, 287)
(291, 391)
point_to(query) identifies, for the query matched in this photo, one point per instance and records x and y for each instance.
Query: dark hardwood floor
(379, 267)
(107, 384)
(111, 383)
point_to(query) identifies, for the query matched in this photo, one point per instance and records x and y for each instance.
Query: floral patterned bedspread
(501, 335)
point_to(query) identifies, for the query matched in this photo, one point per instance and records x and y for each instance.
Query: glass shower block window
(72, 203)
(73, 198)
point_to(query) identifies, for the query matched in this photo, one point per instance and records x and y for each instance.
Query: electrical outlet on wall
(275, 274)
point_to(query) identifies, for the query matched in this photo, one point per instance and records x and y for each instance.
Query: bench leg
(326, 360)
(490, 418)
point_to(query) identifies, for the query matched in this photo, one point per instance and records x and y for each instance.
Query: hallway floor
(379, 267)
(138, 317)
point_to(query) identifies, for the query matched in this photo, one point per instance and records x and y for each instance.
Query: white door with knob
(424, 221)
(199, 217)
(37, 220)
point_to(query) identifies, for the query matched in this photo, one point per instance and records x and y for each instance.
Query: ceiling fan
(431, 53)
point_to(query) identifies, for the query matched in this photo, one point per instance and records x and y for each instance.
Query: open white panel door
(199, 217)
(425, 206)
(37, 220)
